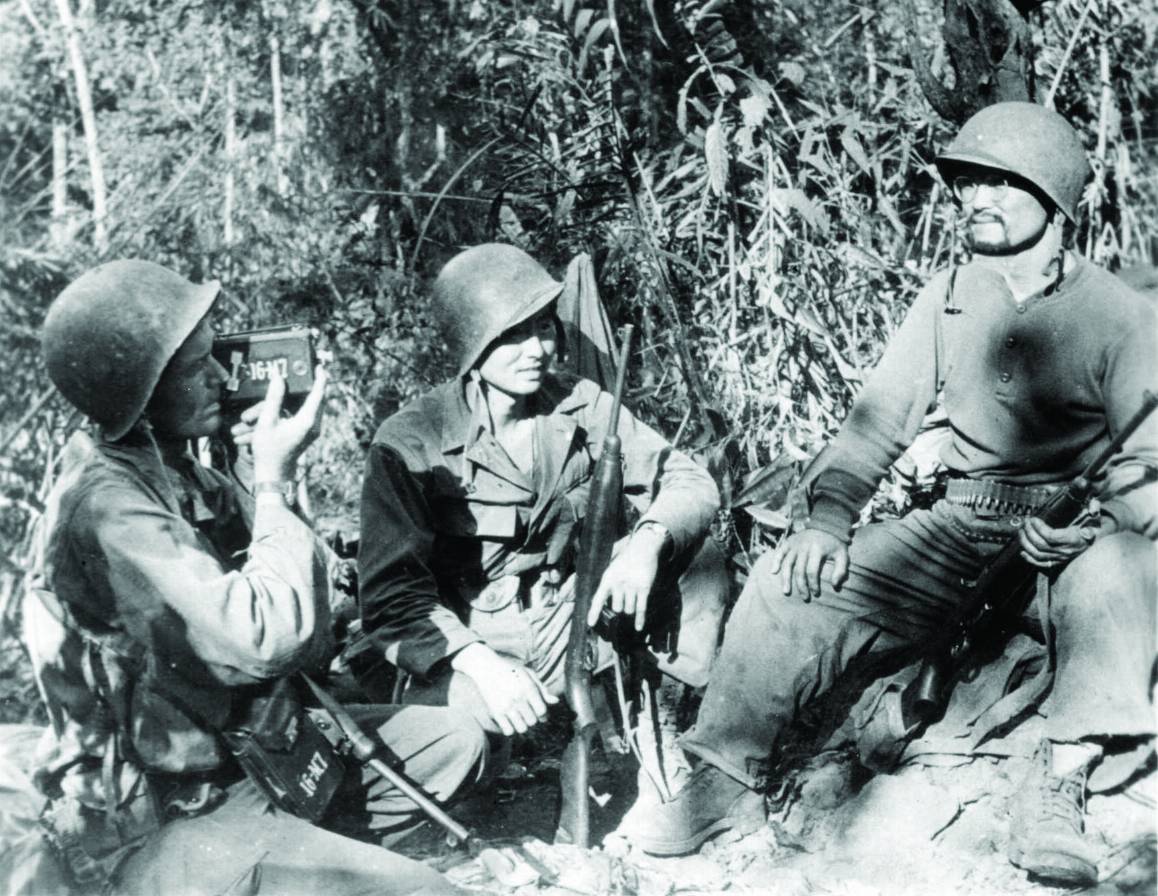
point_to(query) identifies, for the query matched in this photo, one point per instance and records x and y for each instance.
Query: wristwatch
(285, 490)
(659, 527)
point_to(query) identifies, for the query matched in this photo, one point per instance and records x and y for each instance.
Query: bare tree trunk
(230, 156)
(989, 44)
(278, 112)
(88, 122)
(58, 228)
(58, 225)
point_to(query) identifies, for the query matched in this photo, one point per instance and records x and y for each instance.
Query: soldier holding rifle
(472, 498)
(1038, 358)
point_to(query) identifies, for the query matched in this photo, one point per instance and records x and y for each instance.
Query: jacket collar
(136, 451)
(460, 426)
(554, 407)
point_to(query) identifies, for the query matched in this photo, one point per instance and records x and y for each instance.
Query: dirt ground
(832, 829)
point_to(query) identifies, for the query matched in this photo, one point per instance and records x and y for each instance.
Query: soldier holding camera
(171, 611)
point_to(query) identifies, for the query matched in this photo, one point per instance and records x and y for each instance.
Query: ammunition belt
(998, 497)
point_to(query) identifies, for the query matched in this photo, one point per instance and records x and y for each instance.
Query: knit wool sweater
(1033, 390)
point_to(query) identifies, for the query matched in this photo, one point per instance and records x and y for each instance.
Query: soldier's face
(187, 401)
(518, 360)
(1003, 216)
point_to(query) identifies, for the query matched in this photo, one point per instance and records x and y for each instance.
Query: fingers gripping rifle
(595, 543)
(1002, 593)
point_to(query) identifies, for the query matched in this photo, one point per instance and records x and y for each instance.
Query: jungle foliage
(752, 179)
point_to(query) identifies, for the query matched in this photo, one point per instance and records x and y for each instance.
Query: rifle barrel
(596, 542)
(1005, 587)
(620, 377)
(1149, 402)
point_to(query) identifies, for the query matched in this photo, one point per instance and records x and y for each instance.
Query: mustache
(986, 217)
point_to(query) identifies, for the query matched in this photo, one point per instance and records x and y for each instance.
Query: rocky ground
(833, 829)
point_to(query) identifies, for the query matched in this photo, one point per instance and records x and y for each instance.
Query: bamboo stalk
(281, 182)
(733, 302)
(1065, 61)
(37, 406)
(1104, 109)
(58, 225)
(230, 148)
(88, 122)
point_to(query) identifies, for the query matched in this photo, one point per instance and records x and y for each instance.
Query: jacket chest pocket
(578, 467)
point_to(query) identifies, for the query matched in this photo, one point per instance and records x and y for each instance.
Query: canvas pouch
(283, 752)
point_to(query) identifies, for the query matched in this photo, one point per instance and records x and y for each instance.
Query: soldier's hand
(278, 441)
(800, 559)
(1046, 547)
(626, 583)
(515, 697)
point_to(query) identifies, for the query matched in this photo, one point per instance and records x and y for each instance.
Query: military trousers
(685, 612)
(247, 845)
(783, 656)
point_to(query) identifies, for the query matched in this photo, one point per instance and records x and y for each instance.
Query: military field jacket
(189, 590)
(445, 510)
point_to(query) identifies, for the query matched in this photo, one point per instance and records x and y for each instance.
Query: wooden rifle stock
(596, 541)
(1003, 592)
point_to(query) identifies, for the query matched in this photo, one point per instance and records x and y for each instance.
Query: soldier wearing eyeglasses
(1036, 358)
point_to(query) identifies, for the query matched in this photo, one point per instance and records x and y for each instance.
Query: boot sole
(1052, 867)
(688, 844)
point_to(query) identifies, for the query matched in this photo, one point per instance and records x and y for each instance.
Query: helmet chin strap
(146, 428)
(1056, 266)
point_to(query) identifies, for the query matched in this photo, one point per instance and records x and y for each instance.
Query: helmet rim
(1028, 140)
(484, 291)
(106, 345)
(532, 307)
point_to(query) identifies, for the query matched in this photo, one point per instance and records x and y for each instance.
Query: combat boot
(709, 803)
(1048, 824)
(663, 767)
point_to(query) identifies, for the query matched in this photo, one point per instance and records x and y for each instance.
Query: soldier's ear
(1064, 225)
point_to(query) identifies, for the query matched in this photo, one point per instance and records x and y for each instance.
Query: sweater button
(1021, 309)
(1011, 341)
(1006, 376)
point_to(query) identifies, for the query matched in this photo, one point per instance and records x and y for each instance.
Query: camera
(251, 357)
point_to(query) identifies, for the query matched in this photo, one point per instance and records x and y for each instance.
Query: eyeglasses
(965, 186)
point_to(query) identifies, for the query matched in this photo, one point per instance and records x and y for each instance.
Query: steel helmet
(1028, 140)
(109, 335)
(484, 291)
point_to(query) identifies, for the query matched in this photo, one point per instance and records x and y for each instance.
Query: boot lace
(655, 742)
(1063, 799)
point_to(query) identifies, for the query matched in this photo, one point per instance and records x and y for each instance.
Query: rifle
(1002, 593)
(595, 543)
